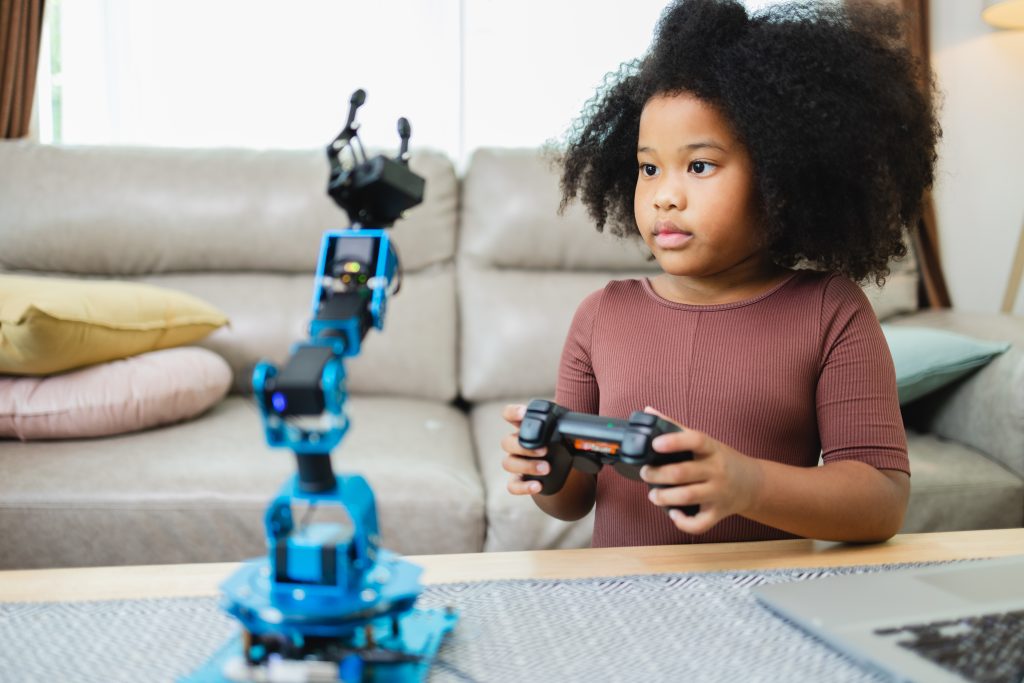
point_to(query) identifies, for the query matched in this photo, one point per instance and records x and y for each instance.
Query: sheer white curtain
(257, 73)
(264, 73)
(530, 65)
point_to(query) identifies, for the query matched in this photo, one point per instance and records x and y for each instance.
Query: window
(256, 73)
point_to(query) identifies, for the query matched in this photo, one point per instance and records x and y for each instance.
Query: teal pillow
(927, 359)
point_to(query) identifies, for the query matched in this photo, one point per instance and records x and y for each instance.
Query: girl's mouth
(668, 236)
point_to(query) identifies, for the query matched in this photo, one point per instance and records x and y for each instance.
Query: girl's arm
(840, 501)
(576, 390)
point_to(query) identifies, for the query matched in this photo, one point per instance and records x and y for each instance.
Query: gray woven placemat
(667, 627)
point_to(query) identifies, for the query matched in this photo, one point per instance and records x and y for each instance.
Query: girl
(769, 162)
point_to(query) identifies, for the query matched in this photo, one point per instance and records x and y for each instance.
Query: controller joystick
(588, 442)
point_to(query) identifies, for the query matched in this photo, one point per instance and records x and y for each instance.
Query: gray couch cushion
(269, 313)
(522, 272)
(953, 488)
(196, 492)
(515, 522)
(510, 220)
(514, 323)
(132, 210)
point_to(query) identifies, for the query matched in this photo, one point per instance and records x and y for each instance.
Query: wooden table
(166, 581)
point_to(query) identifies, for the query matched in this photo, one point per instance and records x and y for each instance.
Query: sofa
(491, 278)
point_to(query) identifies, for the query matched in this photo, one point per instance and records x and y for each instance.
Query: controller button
(634, 445)
(539, 405)
(643, 419)
(530, 429)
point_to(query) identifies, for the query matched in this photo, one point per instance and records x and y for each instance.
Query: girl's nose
(669, 196)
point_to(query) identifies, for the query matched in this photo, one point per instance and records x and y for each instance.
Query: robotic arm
(327, 602)
(358, 269)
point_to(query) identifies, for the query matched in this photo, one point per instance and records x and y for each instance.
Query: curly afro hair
(826, 98)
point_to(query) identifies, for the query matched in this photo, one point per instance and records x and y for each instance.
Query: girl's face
(695, 202)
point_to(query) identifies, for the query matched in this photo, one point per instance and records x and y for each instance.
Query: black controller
(587, 442)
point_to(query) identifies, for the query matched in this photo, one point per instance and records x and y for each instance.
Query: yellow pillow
(49, 325)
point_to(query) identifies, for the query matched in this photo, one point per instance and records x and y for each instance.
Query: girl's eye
(648, 170)
(701, 167)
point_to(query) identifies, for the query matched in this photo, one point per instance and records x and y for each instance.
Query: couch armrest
(985, 410)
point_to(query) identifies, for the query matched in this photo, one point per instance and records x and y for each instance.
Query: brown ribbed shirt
(799, 371)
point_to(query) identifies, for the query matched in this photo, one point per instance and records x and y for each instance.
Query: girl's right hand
(519, 460)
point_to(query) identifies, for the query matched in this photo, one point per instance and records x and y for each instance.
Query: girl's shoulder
(844, 309)
(615, 290)
(825, 291)
(830, 290)
(613, 295)
(839, 291)
(631, 286)
(629, 292)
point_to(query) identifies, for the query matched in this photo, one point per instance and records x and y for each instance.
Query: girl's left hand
(720, 479)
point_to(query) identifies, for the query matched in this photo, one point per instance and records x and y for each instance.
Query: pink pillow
(147, 390)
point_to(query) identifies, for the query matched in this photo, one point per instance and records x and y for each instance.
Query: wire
(361, 150)
(398, 270)
(307, 514)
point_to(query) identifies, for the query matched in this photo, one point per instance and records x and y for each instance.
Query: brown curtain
(925, 234)
(21, 23)
(933, 292)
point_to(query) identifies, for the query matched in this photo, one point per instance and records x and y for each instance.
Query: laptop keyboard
(987, 648)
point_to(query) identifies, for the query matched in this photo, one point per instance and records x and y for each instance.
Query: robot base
(393, 659)
(392, 641)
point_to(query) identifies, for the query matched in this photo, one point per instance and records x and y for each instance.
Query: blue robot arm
(326, 593)
(303, 409)
(357, 271)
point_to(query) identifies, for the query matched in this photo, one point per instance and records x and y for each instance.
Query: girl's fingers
(698, 443)
(676, 474)
(693, 494)
(513, 413)
(677, 496)
(513, 464)
(510, 444)
(520, 461)
(687, 440)
(663, 416)
(706, 518)
(518, 487)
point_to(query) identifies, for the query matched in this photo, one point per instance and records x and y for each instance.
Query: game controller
(587, 442)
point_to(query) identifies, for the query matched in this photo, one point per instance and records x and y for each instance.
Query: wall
(979, 190)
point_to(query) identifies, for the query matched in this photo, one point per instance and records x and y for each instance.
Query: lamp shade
(1003, 13)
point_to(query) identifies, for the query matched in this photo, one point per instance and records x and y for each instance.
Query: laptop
(954, 622)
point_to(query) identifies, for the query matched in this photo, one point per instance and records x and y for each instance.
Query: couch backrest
(65, 207)
(523, 270)
(241, 229)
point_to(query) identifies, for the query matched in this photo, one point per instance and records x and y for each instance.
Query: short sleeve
(857, 403)
(577, 387)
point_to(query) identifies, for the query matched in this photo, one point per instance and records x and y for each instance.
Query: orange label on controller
(596, 446)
